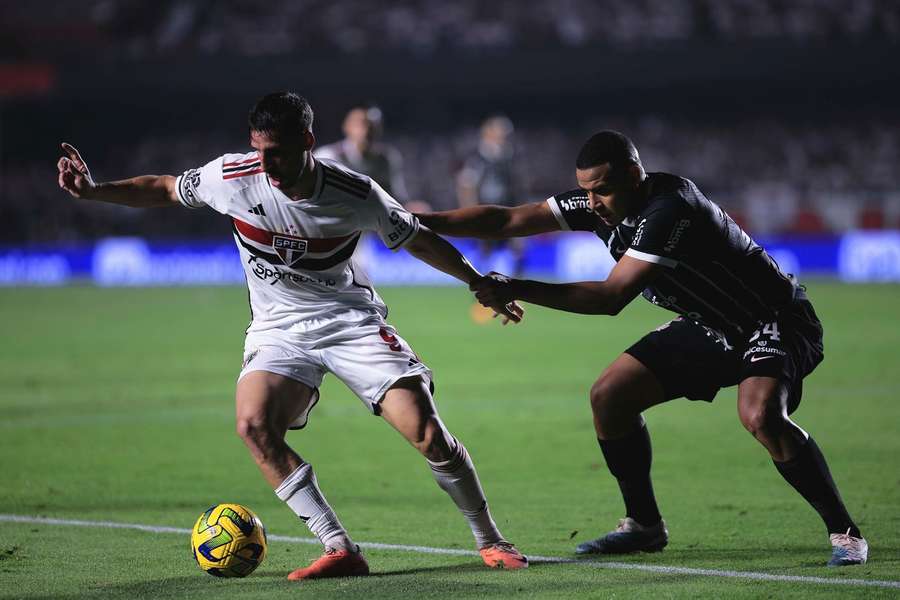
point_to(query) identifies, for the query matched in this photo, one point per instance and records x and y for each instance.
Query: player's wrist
(93, 191)
(514, 289)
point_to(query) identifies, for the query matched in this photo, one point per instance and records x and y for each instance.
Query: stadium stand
(776, 166)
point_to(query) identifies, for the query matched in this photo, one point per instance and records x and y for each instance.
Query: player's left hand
(494, 291)
(515, 309)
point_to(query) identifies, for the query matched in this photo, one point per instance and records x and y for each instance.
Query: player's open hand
(74, 176)
(495, 292)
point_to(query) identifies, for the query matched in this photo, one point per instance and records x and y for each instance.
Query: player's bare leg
(762, 407)
(618, 397)
(409, 408)
(266, 404)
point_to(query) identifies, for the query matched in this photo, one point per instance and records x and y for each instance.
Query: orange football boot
(481, 314)
(503, 555)
(334, 563)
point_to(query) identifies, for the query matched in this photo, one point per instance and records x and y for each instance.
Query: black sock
(808, 474)
(629, 459)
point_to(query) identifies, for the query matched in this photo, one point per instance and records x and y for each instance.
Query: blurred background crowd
(139, 29)
(783, 112)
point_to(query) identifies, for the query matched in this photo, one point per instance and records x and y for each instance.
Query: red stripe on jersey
(261, 236)
(237, 174)
(241, 162)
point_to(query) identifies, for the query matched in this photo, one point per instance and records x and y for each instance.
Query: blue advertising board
(856, 256)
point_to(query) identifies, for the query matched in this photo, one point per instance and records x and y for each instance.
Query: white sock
(300, 491)
(458, 478)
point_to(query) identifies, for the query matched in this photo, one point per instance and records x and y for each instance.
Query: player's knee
(606, 405)
(254, 432)
(599, 396)
(761, 419)
(603, 398)
(752, 419)
(245, 429)
(761, 407)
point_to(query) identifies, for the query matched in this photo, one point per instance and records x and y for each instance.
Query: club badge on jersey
(289, 249)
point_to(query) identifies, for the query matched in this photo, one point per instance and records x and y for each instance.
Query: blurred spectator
(775, 175)
(131, 28)
(489, 176)
(362, 151)
(810, 170)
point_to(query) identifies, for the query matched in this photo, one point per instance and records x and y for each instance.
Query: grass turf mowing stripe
(456, 552)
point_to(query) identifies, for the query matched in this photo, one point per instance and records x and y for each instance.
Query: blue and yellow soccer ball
(228, 541)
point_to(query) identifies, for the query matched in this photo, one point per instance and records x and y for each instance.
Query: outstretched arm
(144, 191)
(442, 255)
(625, 282)
(492, 222)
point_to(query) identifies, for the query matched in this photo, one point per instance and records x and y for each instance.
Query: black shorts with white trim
(693, 361)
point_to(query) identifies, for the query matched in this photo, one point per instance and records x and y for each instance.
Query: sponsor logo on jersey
(676, 234)
(263, 272)
(289, 249)
(759, 358)
(400, 226)
(577, 203)
(763, 350)
(671, 303)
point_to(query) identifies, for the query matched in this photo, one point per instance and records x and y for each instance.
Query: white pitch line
(457, 552)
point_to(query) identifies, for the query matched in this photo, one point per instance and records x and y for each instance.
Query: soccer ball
(228, 541)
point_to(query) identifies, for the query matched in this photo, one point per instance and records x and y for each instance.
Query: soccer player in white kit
(296, 222)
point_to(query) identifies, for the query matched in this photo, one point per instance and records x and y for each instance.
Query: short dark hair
(607, 147)
(282, 113)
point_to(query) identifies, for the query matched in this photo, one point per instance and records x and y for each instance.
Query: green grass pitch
(117, 405)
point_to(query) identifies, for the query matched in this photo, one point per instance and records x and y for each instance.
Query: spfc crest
(289, 249)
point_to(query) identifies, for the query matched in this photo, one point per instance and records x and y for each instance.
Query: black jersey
(492, 177)
(715, 273)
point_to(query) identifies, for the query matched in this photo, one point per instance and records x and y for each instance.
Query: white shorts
(368, 358)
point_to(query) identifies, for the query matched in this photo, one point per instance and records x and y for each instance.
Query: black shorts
(693, 361)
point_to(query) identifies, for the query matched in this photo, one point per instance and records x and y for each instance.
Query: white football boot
(848, 550)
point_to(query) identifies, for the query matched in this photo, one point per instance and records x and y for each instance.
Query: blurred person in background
(362, 151)
(487, 178)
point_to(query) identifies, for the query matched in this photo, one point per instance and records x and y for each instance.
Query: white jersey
(298, 255)
(381, 162)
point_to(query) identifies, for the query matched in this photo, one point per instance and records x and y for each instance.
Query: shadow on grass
(457, 581)
(702, 557)
(467, 568)
(541, 579)
(381, 585)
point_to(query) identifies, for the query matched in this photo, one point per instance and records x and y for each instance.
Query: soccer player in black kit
(742, 321)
